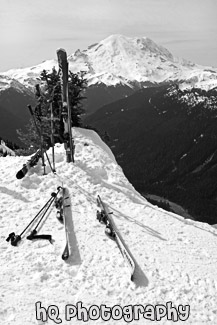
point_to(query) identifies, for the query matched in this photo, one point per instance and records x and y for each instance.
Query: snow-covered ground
(176, 257)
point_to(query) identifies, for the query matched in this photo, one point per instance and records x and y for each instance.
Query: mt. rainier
(120, 60)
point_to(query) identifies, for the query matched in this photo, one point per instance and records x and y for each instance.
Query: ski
(104, 216)
(30, 163)
(63, 214)
(59, 207)
(66, 110)
(65, 254)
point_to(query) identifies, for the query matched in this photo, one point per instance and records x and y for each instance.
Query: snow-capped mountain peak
(132, 59)
(133, 46)
(125, 60)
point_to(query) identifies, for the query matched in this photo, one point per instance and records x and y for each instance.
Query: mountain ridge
(124, 60)
(116, 67)
(164, 138)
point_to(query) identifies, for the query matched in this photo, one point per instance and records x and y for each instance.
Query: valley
(158, 113)
(166, 145)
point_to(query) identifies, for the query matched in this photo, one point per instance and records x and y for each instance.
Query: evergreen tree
(30, 138)
(77, 83)
(47, 94)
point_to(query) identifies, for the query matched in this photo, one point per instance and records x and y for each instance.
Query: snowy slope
(8, 82)
(123, 60)
(176, 257)
(29, 77)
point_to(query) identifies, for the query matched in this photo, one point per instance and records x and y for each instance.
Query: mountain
(5, 150)
(165, 139)
(127, 61)
(139, 72)
(124, 60)
(176, 257)
(14, 98)
(119, 65)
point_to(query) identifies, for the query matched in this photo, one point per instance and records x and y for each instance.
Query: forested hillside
(166, 141)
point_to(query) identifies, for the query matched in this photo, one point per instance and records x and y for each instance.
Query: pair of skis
(104, 216)
(63, 214)
(66, 109)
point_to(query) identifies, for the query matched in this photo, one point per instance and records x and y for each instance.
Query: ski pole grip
(11, 235)
(15, 240)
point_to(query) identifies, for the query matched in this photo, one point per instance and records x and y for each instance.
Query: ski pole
(13, 238)
(40, 135)
(52, 135)
(16, 238)
(33, 234)
(39, 130)
(49, 162)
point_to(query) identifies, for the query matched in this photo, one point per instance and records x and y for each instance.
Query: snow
(192, 98)
(176, 257)
(125, 60)
(29, 77)
(8, 82)
(4, 150)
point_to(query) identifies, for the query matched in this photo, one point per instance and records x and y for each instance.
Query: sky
(31, 31)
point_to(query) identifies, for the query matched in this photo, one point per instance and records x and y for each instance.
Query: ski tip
(60, 49)
(65, 257)
(20, 175)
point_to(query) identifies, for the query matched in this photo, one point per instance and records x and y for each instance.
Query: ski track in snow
(176, 258)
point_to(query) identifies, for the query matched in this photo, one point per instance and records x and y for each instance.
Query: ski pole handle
(14, 239)
(12, 234)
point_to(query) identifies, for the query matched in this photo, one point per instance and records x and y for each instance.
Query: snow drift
(176, 257)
